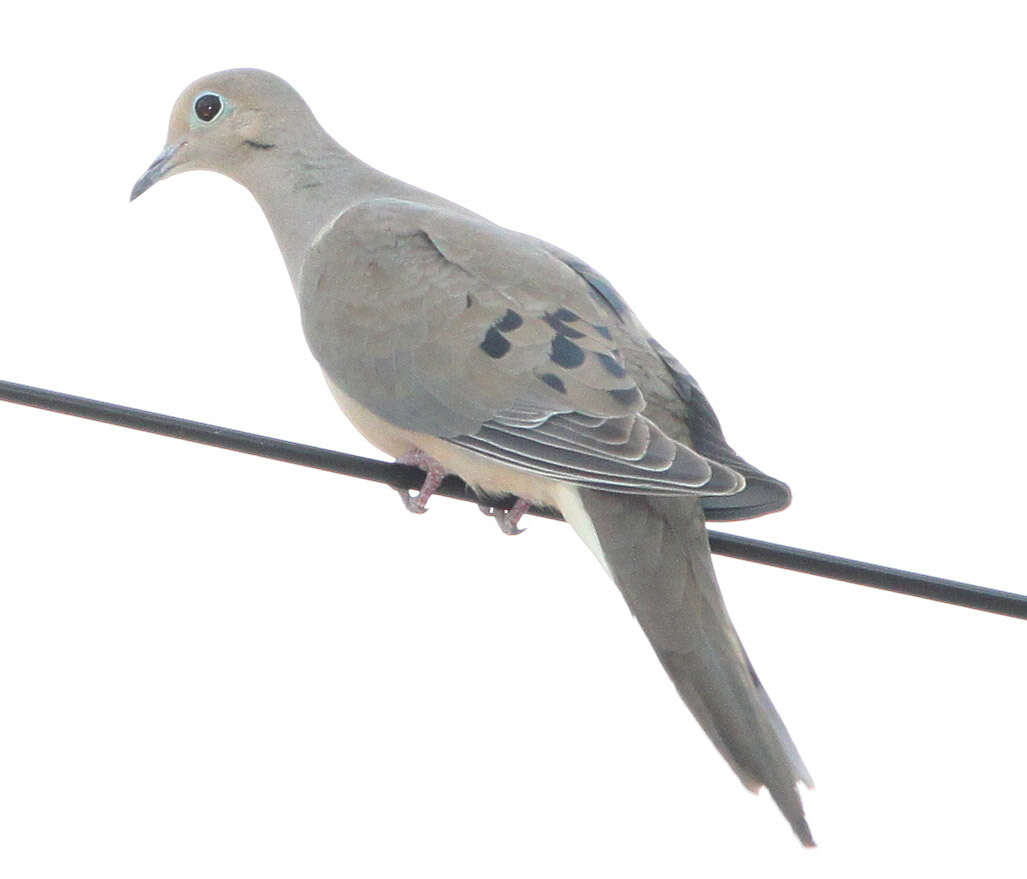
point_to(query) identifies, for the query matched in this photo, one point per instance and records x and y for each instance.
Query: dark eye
(207, 107)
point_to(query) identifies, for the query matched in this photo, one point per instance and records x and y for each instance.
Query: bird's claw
(507, 524)
(413, 502)
(434, 473)
(508, 519)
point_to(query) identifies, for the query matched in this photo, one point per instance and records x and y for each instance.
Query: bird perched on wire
(459, 346)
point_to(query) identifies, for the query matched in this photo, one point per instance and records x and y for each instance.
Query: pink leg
(508, 519)
(434, 473)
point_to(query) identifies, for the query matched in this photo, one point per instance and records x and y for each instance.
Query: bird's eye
(207, 107)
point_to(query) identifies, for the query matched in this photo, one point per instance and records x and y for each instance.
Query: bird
(458, 346)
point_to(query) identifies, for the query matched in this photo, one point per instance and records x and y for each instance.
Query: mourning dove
(463, 347)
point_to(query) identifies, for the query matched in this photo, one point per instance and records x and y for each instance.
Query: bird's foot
(434, 473)
(508, 519)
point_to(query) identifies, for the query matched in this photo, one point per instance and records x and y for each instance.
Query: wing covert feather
(445, 324)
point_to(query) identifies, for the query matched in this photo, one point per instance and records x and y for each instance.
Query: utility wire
(400, 476)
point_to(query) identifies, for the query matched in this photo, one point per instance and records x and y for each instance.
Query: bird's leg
(508, 519)
(434, 473)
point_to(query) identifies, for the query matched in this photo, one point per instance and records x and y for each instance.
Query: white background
(218, 666)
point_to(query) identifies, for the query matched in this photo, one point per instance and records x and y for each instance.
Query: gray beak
(161, 165)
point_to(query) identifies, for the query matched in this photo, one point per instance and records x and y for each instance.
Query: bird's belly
(492, 477)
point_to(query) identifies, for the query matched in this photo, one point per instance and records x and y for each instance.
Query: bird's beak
(161, 165)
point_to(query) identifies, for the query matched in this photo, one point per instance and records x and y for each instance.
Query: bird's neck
(301, 189)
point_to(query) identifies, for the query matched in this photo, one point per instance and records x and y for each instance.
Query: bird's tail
(657, 551)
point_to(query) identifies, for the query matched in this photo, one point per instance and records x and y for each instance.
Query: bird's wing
(676, 403)
(444, 324)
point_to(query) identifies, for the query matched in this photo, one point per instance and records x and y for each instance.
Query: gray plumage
(497, 356)
(659, 556)
(451, 279)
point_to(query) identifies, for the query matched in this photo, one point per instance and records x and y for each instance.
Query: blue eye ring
(208, 107)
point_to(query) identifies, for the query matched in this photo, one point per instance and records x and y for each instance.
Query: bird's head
(227, 122)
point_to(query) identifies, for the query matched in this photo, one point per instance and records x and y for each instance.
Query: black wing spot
(611, 365)
(627, 396)
(494, 344)
(554, 382)
(509, 321)
(565, 353)
(470, 302)
(565, 314)
(561, 327)
(603, 331)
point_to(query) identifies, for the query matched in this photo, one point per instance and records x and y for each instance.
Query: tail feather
(657, 551)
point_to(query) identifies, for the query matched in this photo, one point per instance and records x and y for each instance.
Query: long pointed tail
(657, 551)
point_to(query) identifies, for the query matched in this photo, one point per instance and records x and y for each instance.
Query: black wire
(400, 476)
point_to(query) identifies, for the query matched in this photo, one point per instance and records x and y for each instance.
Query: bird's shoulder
(441, 248)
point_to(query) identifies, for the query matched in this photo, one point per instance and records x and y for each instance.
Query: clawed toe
(413, 502)
(505, 524)
(508, 519)
(434, 473)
